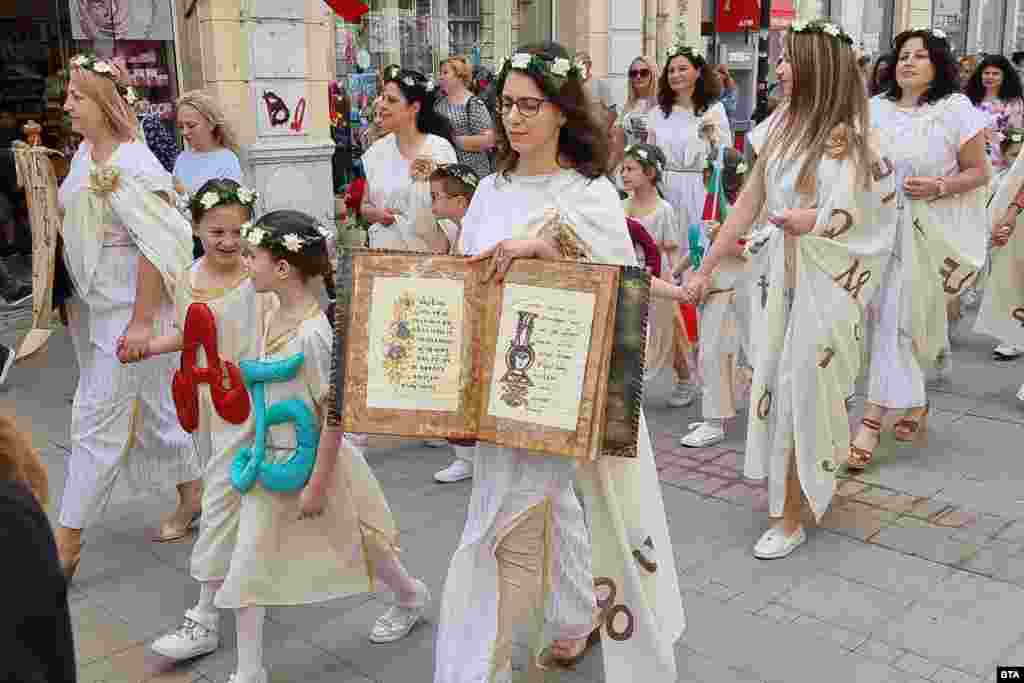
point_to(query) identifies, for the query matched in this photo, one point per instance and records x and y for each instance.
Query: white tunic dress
(678, 137)
(277, 558)
(123, 418)
(924, 141)
(622, 495)
(391, 186)
(661, 225)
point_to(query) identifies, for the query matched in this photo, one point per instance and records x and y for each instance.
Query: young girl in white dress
(301, 523)
(936, 139)
(822, 189)
(642, 169)
(525, 551)
(688, 124)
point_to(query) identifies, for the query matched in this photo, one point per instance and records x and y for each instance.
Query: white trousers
(122, 420)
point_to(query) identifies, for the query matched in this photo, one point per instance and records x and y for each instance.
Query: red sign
(737, 16)
(349, 10)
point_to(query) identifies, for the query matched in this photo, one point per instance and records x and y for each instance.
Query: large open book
(550, 360)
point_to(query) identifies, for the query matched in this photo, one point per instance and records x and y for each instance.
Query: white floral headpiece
(290, 241)
(937, 32)
(98, 66)
(242, 195)
(644, 157)
(559, 67)
(821, 26)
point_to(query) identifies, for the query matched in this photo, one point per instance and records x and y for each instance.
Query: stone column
(254, 50)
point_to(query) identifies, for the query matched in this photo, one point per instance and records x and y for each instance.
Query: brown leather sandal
(171, 530)
(859, 458)
(549, 662)
(911, 427)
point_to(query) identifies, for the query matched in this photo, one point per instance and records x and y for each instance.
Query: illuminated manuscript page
(415, 344)
(541, 355)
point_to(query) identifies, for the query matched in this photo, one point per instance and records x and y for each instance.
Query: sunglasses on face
(639, 73)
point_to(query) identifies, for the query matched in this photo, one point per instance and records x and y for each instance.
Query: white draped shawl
(1002, 310)
(807, 358)
(123, 193)
(622, 496)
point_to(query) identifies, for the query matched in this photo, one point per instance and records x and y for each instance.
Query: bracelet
(941, 182)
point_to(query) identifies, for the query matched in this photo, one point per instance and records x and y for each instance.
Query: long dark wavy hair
(428, 120)
(1010, 88)
(582, 141)
(946, 81)
(706, 91)
(312, 260)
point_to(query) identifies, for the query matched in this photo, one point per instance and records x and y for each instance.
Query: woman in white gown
(819, 183)
(525, 544)
(125, 248)
(688, 124)
(936, 139)
(398, 167)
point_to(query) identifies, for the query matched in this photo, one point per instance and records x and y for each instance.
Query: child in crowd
(642, 168)
(1009, 148)
(285, 527)
(451, 192)
(724, 316)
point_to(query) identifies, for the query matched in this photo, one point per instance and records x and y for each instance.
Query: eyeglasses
(527, 106)
(639, 73)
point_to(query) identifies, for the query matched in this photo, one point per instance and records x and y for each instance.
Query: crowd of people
(839, 246)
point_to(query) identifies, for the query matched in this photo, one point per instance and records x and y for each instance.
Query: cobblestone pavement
(916, 574)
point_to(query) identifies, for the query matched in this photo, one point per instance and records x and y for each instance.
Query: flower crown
(240, 195)
(1015, 135)
(427, 84)
(821, 26)
(934, 32)
(290, 241)
(559, 67)
(98, 66)
(644, 157)
(462, 172)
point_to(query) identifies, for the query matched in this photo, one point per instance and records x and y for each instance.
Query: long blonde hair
(223, 133)
(651, 94)
(103, 91)
(827, 100)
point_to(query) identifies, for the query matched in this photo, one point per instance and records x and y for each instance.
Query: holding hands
(795, 222)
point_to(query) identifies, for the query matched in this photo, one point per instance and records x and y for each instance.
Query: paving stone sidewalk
(916, 574)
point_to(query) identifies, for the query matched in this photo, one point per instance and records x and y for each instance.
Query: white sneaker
(775, 545)
(459, 470)
(259, 677)
(436, 443)
(1007, 351)
(1020, 393)
(396, 623)
(704, 434)
(685, 393)
(196, 636)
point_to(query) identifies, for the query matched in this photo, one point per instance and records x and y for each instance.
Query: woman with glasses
(526, 556)
(688, 126)
(398, 166)
(936, 140)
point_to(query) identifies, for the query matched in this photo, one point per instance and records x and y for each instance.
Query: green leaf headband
(462, 172)
(821, 26)
(559, 67)
(293, 242)
(211, 198)
(98, 66)
(644, 157)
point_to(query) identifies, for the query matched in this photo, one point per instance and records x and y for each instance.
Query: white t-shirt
(195, 168)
